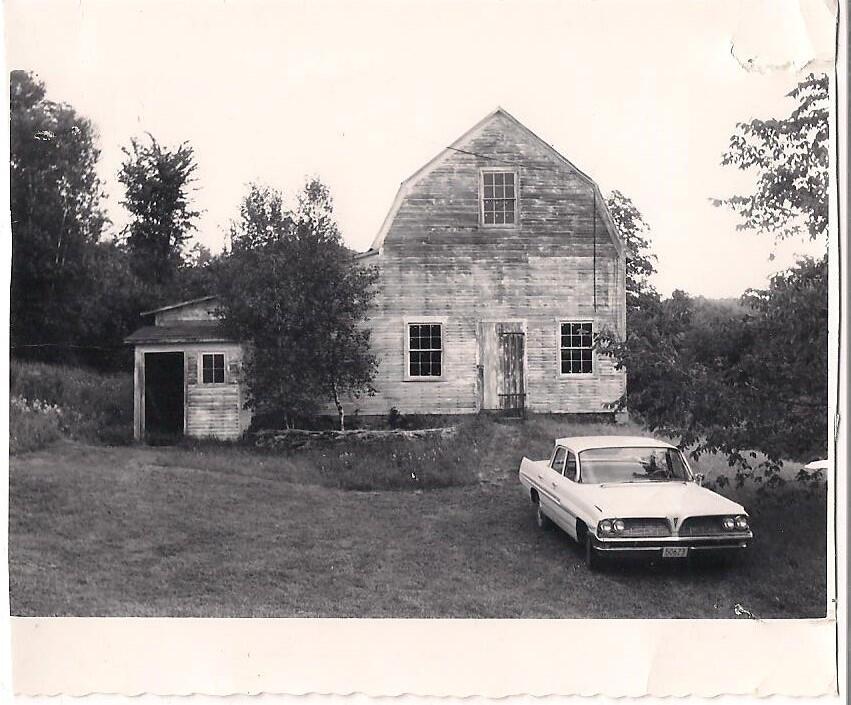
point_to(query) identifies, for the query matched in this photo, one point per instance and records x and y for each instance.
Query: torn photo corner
(360, 350)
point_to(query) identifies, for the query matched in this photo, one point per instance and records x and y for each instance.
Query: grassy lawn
(225, 531)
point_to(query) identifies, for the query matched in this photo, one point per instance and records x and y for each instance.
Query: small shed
(187, 375)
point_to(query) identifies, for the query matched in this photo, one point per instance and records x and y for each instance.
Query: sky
(642, 96)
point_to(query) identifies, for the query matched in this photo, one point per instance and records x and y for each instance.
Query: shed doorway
(163, 396)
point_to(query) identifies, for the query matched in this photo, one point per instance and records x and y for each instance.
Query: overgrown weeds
(33, 424)
(482, 447)
(52, 401)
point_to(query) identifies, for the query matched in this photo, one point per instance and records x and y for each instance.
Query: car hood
(656, 499)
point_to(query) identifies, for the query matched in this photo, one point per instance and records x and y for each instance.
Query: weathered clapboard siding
(202, 310)
(213, 411)
(497, 294)
(437, 261)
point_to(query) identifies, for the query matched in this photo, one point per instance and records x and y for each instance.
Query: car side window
(557, 463)
(570, 468)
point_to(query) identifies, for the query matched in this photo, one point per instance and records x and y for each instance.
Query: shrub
(395, 419)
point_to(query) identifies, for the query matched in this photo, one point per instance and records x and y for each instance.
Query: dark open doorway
(163, 396)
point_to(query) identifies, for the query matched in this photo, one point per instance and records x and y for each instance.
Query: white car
(622, 494)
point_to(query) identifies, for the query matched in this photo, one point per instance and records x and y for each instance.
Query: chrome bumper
(722, 542)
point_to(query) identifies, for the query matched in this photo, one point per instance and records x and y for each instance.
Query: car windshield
(600, 465)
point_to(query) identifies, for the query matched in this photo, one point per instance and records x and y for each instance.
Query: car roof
(580, 443)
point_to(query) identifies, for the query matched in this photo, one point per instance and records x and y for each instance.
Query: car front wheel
(592, 555)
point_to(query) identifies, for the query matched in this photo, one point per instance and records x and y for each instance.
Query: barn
(498, 263)
(187, 375)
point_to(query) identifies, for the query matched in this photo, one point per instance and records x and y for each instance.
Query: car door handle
(540, 476)
(555, 485)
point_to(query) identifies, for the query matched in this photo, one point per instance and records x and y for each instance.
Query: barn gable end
(441, 198)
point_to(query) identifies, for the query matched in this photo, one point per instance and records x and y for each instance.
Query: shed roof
(183, 332)
(179, 305)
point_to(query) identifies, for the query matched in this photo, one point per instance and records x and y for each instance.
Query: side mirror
(699, 478)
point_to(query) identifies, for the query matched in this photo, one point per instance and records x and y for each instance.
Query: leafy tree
(728, 377)
(263, 219)
(736, 380)
(644, 351)
(158, 184)
(756, 379)
(109, 311)
(294, 293)
(640, 260)
(55, 214)
(783, 360)
(785, 364)
(790, 156)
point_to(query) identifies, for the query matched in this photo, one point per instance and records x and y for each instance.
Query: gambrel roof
(408, 184)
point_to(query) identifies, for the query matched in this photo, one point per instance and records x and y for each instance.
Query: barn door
(502, 354)
(512, 346)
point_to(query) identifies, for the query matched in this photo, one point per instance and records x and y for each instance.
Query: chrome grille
(643, 528)
(703, 526)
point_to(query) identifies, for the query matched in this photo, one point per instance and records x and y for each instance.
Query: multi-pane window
(213, 368)
(499, 197)
(425, 350)
(577, 348)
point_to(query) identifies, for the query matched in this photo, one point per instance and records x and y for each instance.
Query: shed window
(499, 197)
(213, 368)
(577, 348)
(425, 350)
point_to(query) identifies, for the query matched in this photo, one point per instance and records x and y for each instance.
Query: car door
(548, 484)
(567, 490)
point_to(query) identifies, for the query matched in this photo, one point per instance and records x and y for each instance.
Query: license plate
(674, 551)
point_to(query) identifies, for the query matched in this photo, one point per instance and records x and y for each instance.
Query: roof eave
(175, 341)
(179, 305)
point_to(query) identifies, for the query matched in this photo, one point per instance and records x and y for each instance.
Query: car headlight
(618, 525)
(605, 526)
(729, 523)
(742, 523)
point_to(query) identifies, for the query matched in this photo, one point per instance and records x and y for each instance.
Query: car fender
(531, 475)
(584, 507)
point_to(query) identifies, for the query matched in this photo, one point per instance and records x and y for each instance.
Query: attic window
(499, 197)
